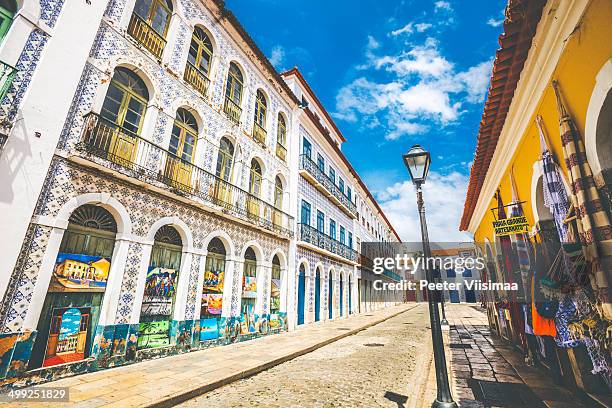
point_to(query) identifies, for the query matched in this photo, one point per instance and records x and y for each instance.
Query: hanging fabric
(592, 220)
(518, 325)
(521, 240)
(555, 197)
(542, 326)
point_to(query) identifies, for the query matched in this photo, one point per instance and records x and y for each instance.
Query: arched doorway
(72, 306)
(330, 296)
(275, 294)
(318, 295)
(159, 296)
(249, 292)
(212, 290)
(301, 303)
(350, 291)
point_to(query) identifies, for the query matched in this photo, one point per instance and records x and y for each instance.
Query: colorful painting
(67, 336)
(247, 318)
(154, 334)
(213, 281)
(212, 304)
(209, 328)
(159, 292)
(79, 273)
(249, 287)
(275, 294)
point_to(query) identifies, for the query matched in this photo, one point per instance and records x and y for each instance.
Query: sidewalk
(166, 381)
(487, 372)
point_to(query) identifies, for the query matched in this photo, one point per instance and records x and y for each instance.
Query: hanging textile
(592, 220)
(555, 197)
(542, 326)
(518, 325)
(516, 210)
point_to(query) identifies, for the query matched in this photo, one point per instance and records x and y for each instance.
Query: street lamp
(417, 160)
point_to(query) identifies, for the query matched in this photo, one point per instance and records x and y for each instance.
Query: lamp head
(417, 161)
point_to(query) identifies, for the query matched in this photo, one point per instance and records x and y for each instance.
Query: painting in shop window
(78, 281)
(249, 293)
(212, 291)
(160, 289)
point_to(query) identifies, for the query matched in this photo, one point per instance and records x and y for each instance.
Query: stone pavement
(484, 369)
(167, 381)
(379, 367)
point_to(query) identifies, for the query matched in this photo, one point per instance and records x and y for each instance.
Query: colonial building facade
(153, 163)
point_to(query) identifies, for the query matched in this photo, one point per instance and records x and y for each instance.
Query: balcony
(281, 152)
(232, 110)
(259, 134)
(312, 172)
(7, 74)
(146, 35)
(366, 263)
(196, 78)
(315, 237)
(130, 154)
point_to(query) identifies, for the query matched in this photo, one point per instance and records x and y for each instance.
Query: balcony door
(225, 163)
(278, 202)
(122, 115)
(179, 167)
(254, 189)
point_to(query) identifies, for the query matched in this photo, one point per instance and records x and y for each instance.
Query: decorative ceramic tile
(127, 296)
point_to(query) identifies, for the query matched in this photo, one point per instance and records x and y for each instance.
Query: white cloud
(372, 43)
(407, 29)
(424, 89)
(443, 5)
(495, 23)
(476, 80)
(277, 57)
(444, 197)
(420, 27)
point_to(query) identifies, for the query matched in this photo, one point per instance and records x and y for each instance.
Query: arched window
(8, 8)
(281, 138)
(199, 60)
(149, 24)
(278, 201)
(233, 93)
(275, 294)
(115, 135)
(255, 179)
(212, 290)
(69, 317)
(178, 170)
(225, 158)
(160, 289)
(261, 109)
(249, 292)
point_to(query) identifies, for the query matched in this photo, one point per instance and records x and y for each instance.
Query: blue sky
(392, 73)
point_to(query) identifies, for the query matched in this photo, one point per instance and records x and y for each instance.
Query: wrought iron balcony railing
(150, 163)
(146, 35)
(196, 78)
(281, 152)
(315, 237)
(322, 179)
(232, 110)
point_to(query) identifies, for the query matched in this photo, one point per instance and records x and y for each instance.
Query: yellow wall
(589, 47)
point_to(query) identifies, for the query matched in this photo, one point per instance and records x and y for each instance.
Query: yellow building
(568, 43)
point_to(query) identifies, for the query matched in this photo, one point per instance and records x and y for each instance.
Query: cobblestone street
(380, 366)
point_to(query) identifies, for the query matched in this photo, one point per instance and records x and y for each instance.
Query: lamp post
(417, 160)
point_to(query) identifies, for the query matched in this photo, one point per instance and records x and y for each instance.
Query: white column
(143, 269)
(44, 277)
(183, 286)
(233, 267)
(110, 301)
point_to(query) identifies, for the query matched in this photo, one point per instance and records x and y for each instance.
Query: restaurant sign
(510, 226)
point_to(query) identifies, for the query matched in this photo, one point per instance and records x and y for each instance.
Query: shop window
(275, 294)
(249, 293)
(71, 307)
(212, 290)
(159, 296)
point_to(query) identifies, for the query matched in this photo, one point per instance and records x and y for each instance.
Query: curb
(183, 396)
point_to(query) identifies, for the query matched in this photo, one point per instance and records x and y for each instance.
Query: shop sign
(510, 226)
